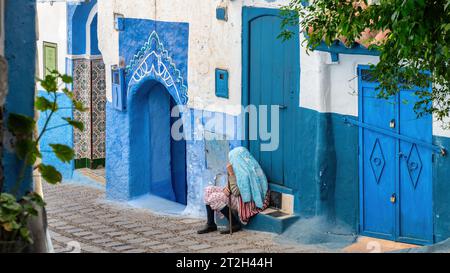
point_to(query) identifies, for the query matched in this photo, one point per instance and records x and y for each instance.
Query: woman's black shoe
(207, 229)
(235, 228)
(236, 222)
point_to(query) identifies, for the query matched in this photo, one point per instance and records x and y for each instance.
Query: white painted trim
(94, 11)
(85, 56)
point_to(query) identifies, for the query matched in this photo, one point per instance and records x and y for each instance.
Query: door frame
(396, 236)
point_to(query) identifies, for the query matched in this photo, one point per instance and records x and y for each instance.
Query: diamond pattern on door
(377, 161)
(414, 164)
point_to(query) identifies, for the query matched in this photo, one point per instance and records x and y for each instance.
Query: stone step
(272, 220)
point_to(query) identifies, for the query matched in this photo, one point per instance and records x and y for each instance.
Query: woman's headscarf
(251, 180)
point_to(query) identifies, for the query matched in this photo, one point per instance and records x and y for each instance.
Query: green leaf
(42, 104)
(75, 123)
(23, 147)
(68, 93)
(14, 207)
(67, 79)
(25, 234)
(50, 174)
(10, 226)
(7, 197)
(50, 83)
(78, 105)
(20, 124)
(35, 198)
(63, 152)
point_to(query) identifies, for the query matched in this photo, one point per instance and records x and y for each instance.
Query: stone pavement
(81, 220)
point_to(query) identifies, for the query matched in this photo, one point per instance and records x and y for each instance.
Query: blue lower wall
(59, 133)
(117, 154)
(326, 183)
(441, 192)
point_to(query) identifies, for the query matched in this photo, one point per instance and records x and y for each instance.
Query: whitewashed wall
(52, 27)
(325, 86)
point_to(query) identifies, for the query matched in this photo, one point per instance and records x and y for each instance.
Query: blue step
(268, 223)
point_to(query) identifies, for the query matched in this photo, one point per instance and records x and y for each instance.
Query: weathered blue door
(273, 71)
(396, 177)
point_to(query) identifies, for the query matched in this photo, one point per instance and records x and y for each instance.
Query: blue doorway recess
(271, 69)
(160, 159)
(395, 166)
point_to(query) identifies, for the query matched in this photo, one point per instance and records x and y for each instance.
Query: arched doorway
(158, 160)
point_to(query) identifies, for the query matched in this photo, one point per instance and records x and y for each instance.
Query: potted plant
(19, 212)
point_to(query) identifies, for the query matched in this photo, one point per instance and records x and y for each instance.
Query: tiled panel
(98, 109)
(82, 92)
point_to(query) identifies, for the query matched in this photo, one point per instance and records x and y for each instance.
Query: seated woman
(248, 193)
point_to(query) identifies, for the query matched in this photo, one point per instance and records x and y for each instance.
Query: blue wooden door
(396, 177)
(273, 72)
(415, 219)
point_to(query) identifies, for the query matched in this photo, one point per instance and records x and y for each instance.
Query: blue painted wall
(173, 36)
(117, 154)
(94, 37)
(60, 133)
(128, 175)
(441, 191)
(77, 16)
(326, 183)
(20, 52)
(158, 162)
(151, 138)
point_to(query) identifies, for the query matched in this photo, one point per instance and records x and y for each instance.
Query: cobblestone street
(81, 220)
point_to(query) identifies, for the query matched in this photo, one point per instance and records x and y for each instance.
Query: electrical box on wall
(119, 96)
(222, 13)
(222, 83)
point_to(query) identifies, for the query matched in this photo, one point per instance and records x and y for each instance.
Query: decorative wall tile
(98, 109)
(82, 92)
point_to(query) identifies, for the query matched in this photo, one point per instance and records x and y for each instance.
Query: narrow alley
(80, 220)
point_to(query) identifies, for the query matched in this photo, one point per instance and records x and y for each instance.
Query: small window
(50, 57)
(116, 77)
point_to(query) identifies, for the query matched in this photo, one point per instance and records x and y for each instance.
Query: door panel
(272, 81)
(379, 166)
(415, 211)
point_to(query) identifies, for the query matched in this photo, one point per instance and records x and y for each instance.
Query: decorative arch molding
(153, 62)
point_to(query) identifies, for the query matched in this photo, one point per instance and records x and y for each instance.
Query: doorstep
(272, 220)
